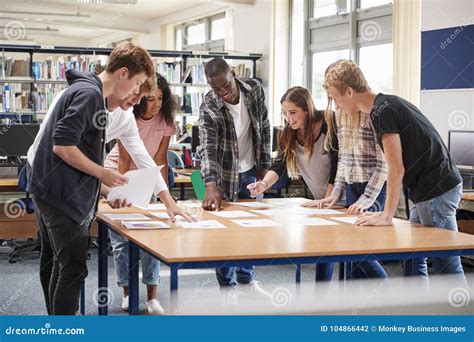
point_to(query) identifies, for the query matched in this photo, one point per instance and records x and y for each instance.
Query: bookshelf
(32, 75)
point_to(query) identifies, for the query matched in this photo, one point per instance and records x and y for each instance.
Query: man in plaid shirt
(234, 134)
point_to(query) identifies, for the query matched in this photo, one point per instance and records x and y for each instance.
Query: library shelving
(29, 85)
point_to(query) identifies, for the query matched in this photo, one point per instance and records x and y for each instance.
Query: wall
(447, 109)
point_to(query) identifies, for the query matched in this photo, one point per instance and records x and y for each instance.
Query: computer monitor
(461, 148)
(194, 138)
(15, 140)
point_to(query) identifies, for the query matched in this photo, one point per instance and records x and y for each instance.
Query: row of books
(55, 70)
(170, 71)
(18, 97)
(10, 67)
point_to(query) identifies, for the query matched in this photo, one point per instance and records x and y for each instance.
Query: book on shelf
(56, 69)
(242, 70)
(20, 97)
(192, 102)
(171, 71)
(11, 67)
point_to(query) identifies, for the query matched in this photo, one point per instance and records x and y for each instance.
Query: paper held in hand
(140, 187)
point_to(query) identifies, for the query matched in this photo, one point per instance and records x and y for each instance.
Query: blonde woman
(416, 157)
(302, 152)
(361, 174)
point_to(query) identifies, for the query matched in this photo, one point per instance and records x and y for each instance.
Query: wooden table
(182, 179)
(292, 243)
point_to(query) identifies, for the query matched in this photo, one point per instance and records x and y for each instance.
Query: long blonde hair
(301, 97)
(342, 75)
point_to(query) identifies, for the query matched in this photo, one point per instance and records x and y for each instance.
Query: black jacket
(78, 119)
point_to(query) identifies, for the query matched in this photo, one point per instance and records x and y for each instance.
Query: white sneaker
(125, 303)
(229, 297)
(154, 307)
(254, 288)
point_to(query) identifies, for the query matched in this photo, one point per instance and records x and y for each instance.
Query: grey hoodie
(78, 119)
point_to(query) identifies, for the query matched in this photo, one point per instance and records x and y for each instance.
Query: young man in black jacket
(66, 170)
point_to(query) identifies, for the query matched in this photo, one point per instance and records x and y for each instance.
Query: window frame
(209, 44)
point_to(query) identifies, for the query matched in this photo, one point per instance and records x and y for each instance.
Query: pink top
(151, 132)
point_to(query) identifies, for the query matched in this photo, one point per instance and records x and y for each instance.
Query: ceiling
(75, 22)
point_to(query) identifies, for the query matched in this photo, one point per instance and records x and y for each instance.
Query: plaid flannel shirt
(218, 150)
(361, 162)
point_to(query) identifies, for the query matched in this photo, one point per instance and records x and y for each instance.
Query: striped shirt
(218, 150)
(361, 160)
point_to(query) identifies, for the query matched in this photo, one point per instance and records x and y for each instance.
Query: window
(373, 3)
(321, 60)
(195, 34)
(207, 34)
(218, 29)
(376, 62)
(338, 29)
(324, 8)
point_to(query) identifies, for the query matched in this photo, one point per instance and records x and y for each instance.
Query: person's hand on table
(119, 203)
(212, 198)
(356, 208)
(175, 210)
(374, 219)
(257, 188)
(327, 202)
(112, 178)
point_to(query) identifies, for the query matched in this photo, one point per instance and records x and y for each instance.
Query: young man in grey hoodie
(66, 171)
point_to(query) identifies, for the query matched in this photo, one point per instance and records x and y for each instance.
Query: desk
(291, 243)
(182, 180)
(8, 184)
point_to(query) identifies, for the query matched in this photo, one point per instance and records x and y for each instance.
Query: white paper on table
(254, 204)
(232, 213)
(205, 224)
(126, 217)
(271, 212)
(145, 225)
(140, 186)
(287, 200)
(153, 206)
(190, 204)
(256, 223)
(160, 215)
(315, 221)
(314, 211)
(347, 219)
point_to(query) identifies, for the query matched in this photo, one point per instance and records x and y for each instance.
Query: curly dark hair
(168, 107)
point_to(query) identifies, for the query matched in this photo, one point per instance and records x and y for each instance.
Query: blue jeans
(437, 212)
(150, 264)
(360, 269)
(230, 276)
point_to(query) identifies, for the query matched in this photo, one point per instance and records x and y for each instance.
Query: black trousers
(63, 267)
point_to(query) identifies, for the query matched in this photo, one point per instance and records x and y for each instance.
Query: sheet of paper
(232, 213)
(286, 200)
(315, 221)
(254, 204)
(256, 223)
(126, 217)
(313, 211)
(346, 219)
(205, 224)
(145, 225)
(161, 215)
(271, 212)
(190, 204)
(153, 206)
(140, 187)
